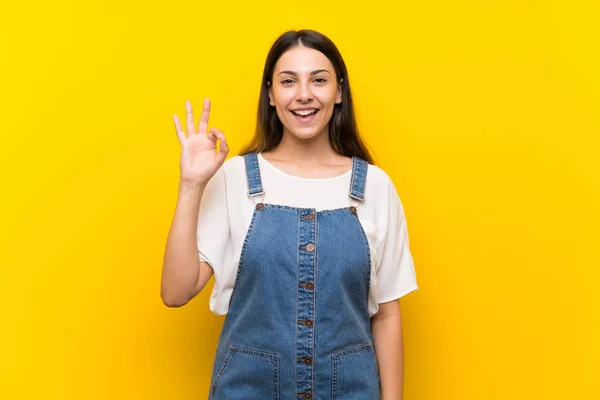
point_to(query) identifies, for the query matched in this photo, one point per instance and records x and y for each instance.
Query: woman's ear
(271, 102)
(338, 94)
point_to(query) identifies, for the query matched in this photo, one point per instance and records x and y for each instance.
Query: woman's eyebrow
(296, 74)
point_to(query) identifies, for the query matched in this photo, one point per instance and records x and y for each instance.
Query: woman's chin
(305, 133)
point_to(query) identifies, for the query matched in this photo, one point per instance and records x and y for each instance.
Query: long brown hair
(343, 131)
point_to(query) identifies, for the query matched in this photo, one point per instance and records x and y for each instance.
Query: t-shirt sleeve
(213, 234)
(396, 273)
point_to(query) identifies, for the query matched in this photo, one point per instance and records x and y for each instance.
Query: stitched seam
(253, 352)
(361, 167)
(287, 208)
(276, 383)
(303, 209)
(253, 174)
(358, 166)
(257, 170)
(353, 175)
(334, 378)
(352, 350)
(247, 159)
(339, 354)
(221, 370)
(297, 294)
(369, 262)
(243, 253)
(314, 293)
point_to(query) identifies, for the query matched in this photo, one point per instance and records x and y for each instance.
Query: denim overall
(298, 325)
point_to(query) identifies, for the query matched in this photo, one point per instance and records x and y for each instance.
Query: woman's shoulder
(377, 178)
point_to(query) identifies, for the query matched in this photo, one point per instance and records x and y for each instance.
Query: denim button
(260, 206)
(353, 209)
(307, 322)
(305, 360)
(310, 247)
(310, 285)
(310, 216)
(307, 396)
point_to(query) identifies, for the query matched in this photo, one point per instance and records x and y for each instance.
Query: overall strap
(253, 175)
(359, 178)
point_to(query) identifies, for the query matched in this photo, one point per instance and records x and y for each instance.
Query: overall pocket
(355, 375)
(247, 374)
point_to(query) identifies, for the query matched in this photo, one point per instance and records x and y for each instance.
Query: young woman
(306, 239)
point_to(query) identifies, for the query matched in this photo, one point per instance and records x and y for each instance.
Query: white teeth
(304, 112)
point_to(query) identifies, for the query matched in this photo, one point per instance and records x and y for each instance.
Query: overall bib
(298, 325)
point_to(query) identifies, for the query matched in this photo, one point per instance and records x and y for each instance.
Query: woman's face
(304, 81)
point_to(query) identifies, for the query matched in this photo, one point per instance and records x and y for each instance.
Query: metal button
(307, 396)
(353, 209)
(309, 216)
(310, 247)
(305, 360)
(307, 322)
(260, 206)
(309, 285)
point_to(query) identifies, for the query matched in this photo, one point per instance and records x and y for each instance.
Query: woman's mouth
(305, 116)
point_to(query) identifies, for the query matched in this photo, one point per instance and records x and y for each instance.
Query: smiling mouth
(305, 113)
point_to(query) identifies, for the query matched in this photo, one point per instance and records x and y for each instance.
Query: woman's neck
(313, 157)
(316, 150)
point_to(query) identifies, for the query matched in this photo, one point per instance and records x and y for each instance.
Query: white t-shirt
(226, 212)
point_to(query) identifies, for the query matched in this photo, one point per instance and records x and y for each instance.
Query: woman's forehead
(303, 60)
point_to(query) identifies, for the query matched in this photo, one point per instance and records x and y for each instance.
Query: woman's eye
(318, 80)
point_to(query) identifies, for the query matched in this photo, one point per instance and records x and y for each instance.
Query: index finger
(203, 123)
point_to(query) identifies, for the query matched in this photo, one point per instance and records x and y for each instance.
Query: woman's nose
(304, 93)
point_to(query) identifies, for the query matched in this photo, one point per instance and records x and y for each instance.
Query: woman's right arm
(183, 274)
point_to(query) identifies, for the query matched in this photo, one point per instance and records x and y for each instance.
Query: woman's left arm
(386, 326)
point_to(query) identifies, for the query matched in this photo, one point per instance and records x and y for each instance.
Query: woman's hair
(343, 131)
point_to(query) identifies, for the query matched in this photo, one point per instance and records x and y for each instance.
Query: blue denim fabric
(298, 324)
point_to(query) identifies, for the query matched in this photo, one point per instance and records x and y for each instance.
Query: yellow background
(484, 113)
